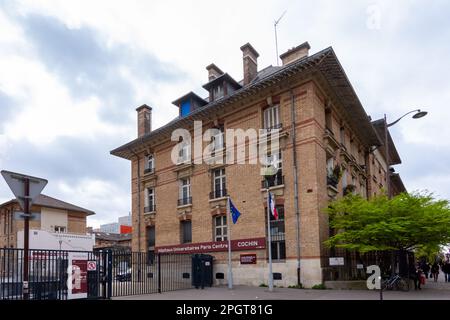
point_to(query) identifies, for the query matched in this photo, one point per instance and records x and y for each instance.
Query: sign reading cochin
(218, 246)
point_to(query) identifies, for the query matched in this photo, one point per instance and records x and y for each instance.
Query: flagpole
(269, 240)
(230, 272)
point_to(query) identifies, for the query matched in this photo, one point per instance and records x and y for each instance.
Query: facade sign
(248, 258)
(336, 261)
(218, 246)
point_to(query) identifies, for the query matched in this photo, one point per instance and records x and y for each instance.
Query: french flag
(273, 209)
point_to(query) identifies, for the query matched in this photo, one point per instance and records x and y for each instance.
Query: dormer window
(221, 86)
(189, 103)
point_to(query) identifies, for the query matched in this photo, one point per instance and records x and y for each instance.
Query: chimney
(213, 72)
(295, 54)
(144, 117)
(250, 60)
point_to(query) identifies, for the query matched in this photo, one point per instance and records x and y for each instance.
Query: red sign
(218, 246)
(248, 258)
(125, 229)
(92, 266)
(79, 276)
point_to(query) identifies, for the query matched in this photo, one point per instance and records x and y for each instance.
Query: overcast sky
(73, 72)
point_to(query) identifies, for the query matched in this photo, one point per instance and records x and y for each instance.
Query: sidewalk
(431, 291)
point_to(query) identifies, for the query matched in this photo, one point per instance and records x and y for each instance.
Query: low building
(58, 225)
(115, 241)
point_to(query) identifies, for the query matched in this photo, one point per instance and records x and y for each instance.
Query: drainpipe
(139, 197)
(294, 166)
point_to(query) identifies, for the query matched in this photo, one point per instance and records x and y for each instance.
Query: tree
(405, 222)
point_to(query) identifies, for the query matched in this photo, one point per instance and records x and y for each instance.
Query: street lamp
(417, 115)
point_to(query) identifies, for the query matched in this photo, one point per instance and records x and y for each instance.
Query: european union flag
(235, 214)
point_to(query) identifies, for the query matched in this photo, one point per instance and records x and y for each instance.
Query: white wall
(53, 217)
(40, 239)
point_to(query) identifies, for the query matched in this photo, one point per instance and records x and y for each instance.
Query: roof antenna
(276, 38)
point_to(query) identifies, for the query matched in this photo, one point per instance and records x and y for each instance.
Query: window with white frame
(60, 229)
(186, 231)
(220, 228)
(217, 141)
(150, 164)
(218, 92)
(344, 179)
(184, 153)
(150, 204)
(185, 191)
(272, 117)
(219, 183)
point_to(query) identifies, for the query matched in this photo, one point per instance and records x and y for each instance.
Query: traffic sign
(16, 182)
(92, 266)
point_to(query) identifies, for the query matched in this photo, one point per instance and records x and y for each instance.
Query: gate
(135, 273)
(99, 274)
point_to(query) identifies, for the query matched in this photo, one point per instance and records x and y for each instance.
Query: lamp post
(418, 114)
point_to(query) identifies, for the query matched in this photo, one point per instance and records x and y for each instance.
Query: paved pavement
(430, 291)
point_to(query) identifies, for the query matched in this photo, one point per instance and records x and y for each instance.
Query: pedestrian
(425, 268)
(414, 275)
(435, 271)
(446, 271)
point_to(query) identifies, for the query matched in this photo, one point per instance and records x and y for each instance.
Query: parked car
(124, 276)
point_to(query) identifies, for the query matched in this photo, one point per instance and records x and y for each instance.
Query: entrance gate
(100, 274)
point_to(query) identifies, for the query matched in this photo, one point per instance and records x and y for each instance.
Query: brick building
(56, 217)
(115, 241)
(324, 131)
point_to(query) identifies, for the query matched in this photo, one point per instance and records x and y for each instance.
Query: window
(277, 233)
(151, 238)
(184, 153)
(342, 136)
(186, 232)
(150, 164)
(217, 141)
(59, 229)
(185, 108)
(344, 179)
(275, 161)
(185, 192)
(272, 118)
(218, 92)
(328, 120)
(150, 200)
(220, 228)
(219, 183)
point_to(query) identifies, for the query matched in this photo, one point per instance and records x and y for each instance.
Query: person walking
(415, 276)
(425, 268)
(446, 271)
(435, 271)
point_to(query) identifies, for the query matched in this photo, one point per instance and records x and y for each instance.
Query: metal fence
(117, 273)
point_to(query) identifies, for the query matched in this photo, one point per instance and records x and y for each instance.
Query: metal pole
(26, 239)
(276, 43)
(388, 175)
(269, 241)
(230, 272)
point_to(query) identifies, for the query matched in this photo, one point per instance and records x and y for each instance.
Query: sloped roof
(49, 202)
(325, 62)
(112, 236)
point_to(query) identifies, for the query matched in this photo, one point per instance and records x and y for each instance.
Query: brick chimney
(250, 61)
(213, 72)
(295, 54)
(144, 117)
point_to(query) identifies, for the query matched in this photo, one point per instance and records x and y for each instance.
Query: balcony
(217, 194)
(332, 181)
(277, 126)
(184, 201)
(273, 181)
(150, 209)
(149, 171)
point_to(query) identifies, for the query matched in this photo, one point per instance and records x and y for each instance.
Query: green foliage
(263, 285)
(319, 286)
(407, 221)
(297, 286)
